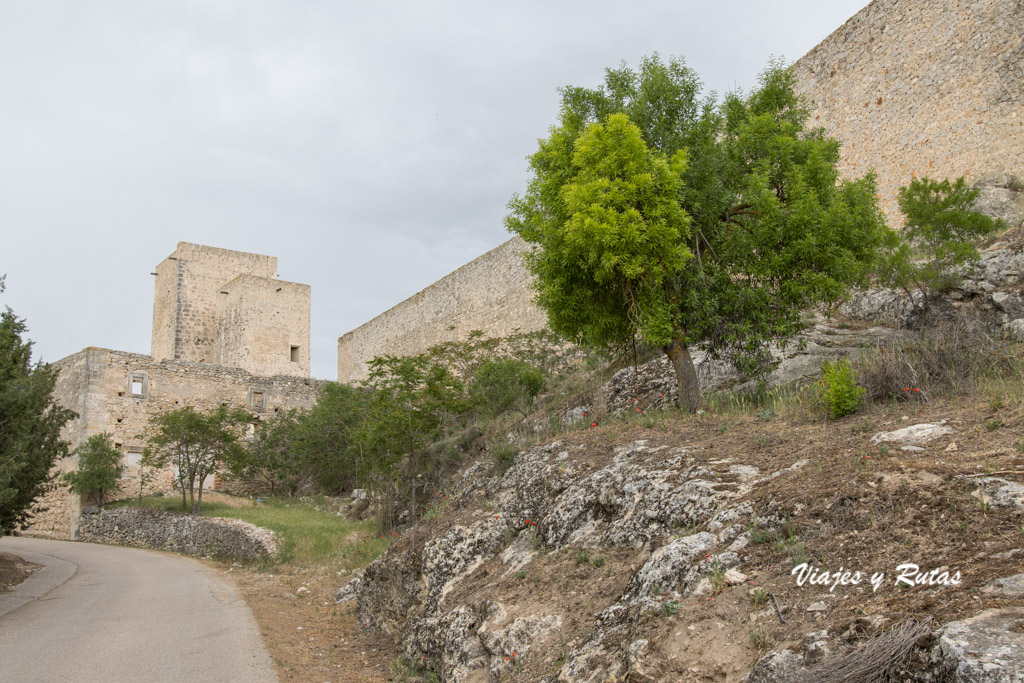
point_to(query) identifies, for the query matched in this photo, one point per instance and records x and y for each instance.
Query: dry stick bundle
(877, 660)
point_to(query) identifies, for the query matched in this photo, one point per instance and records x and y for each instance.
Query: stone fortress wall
(258, 322)
(910, 87)
(490, 293)
(922, 88)
(198, 286)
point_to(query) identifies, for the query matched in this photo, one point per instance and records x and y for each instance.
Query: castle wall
(118, 392)
(188, 284)
(922, 88)
(911, 88)
(262, 326)
(491, 293)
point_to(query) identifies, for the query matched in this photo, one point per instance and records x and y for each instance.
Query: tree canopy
(198, 444)
(30, 423)
(99, 467)
(661, 213)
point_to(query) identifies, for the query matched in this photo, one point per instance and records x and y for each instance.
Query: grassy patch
(308, 534)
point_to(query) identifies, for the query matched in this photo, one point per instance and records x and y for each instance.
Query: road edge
(53, 574)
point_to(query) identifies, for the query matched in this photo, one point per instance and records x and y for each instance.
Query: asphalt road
(104, 613)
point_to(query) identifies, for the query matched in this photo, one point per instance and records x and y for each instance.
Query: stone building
(226, 331)
(910, 87)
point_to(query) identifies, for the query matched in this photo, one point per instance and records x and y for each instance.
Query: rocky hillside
(665, 552)
(744, 543)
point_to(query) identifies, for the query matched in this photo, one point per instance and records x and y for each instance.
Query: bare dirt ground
(308, 636)
(14, 570)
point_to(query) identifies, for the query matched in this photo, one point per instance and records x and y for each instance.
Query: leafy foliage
(30, 423)
(723, 251)
(99, 467)
(840, 392)
(412, 400)
(504, 384)
(198, 445)
(941, 228)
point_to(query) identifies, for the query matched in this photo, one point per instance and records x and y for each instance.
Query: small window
(132, 464)
(138, 385)
(257, 400)
(295, 354)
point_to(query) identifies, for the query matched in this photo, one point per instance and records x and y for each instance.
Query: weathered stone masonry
(922, 88)
(490, 293)
(228, 308)
(910, 87)
(249, 346)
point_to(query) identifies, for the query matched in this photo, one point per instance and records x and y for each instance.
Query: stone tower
(228, 308)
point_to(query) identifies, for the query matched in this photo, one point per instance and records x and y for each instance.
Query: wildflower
(593, 424)
(916, 389)
(868, 457)
(527, 522)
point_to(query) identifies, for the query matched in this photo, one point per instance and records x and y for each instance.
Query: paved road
(103, 613)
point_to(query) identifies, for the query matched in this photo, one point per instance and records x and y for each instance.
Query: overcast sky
(371, 147)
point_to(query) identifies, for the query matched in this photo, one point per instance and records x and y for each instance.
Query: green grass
(306, 533)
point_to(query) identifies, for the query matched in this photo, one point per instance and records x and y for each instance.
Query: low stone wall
(189, 534)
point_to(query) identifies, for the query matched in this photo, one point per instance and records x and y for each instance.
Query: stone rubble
(188, 534)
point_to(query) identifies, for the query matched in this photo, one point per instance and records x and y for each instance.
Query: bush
(948, 356)
(939, 235)
(505, 384)
(840, 391)
(99, 467)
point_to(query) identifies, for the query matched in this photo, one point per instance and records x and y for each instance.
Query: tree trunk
(686, 375)
(199, 507)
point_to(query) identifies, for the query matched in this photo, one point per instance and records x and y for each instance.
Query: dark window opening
(295, 354)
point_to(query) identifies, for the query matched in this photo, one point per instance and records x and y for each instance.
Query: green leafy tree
(272, 460)
(30, 423)
(413, 399)
(325, 439)
(722, 252)
(198, 445)
(940, 231)
(504, 384)
(99, 467)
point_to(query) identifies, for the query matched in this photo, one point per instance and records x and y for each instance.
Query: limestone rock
(914, 435)
(668, 564)
(999, 492)
(985, 648)
(777, 667)
(350, 591)
(1015, 329)
(1009, 586)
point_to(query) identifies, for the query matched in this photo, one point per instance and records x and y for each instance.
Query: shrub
(840, 391)
(99, 467)
(939, 235)
(947, 357)
(505, 384)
